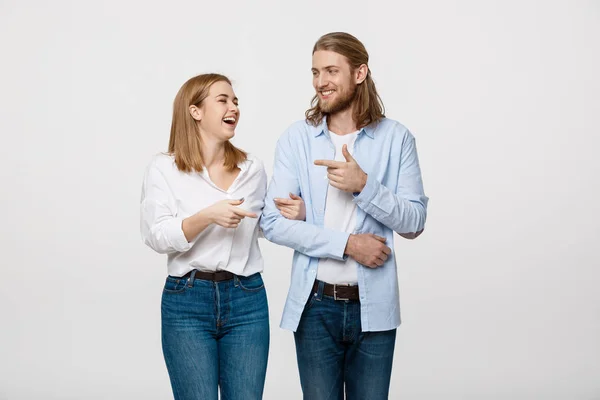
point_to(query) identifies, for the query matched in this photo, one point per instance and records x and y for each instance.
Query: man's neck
(342, 122)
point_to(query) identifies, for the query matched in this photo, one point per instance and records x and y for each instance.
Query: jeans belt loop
(191, 279)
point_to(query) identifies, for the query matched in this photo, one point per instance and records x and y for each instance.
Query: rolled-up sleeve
(159, 225)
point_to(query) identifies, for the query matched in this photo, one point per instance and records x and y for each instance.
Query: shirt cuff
(175, 235)
(368, 193)
(338, 243)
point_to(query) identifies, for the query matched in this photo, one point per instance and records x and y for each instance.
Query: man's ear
(361, 73)
(195, 112)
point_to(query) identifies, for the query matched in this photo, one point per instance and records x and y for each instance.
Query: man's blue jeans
(333, 352)
(215, 334)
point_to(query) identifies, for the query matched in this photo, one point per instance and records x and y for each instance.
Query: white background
(499, 295)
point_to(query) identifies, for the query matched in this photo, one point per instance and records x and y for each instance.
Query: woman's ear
(195, 112)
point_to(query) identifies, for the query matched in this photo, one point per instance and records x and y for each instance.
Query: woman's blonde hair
(185, 143)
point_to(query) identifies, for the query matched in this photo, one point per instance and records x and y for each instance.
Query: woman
(200, 205)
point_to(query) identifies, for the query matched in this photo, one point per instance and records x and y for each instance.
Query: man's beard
(342, 104)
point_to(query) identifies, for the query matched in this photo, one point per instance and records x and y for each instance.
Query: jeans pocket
(311, 300)
(252, 283)
(174, 285)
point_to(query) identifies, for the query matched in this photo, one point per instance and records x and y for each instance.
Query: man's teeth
(326, 92)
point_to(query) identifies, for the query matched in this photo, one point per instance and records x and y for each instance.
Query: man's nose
(321, 81)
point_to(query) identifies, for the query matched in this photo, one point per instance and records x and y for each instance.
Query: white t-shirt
(169, 196)
(340, 215)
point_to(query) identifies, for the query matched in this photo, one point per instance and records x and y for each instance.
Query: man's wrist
(362, 185)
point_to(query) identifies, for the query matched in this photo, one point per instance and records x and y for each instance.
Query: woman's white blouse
(169, 196)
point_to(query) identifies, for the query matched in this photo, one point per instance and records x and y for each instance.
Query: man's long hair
(368, 106)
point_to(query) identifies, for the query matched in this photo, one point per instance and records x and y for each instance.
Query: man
(359, 176)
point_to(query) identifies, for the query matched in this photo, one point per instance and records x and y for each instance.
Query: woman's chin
(229, 135)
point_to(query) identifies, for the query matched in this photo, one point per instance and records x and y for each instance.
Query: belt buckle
(335, 296)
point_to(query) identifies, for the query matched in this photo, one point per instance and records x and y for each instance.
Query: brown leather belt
(218, 276)
(338, 292)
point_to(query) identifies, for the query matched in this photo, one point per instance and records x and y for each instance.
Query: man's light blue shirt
(392, 201)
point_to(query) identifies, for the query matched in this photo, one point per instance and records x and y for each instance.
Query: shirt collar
(322, 129)
(244, 165)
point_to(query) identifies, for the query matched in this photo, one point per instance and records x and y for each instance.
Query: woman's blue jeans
(215, 334)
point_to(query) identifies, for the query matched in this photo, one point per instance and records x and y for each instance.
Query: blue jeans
(215, 334)
(333, 352)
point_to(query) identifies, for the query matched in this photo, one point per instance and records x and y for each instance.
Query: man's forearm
(304, 237)
(397, 213)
